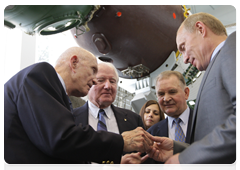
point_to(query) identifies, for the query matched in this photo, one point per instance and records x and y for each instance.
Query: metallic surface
(38, 18)
(139, 34)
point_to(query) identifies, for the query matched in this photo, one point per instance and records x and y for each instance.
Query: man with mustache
(101, 96)
(172, 93)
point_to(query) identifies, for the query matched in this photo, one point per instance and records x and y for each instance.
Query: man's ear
(201, 28)
(187, 92)
(73, 62)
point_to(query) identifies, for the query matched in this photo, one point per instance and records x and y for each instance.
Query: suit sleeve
(50, 125)
(219, 146)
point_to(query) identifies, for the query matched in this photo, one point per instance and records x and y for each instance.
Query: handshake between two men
(158, 148)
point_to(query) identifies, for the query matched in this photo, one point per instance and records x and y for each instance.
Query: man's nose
(107, 85)
(167, 98)
(94, 81)
(185, 58)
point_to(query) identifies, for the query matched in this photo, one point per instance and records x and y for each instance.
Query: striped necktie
(179, 135)
(101, 121)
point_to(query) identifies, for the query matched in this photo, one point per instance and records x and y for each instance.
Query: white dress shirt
(61, 80)
(184, 124)
(217, 49)
(110, 119)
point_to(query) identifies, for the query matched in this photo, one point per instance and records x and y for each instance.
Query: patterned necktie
(70, 103)
(179, 135)
(101, 121)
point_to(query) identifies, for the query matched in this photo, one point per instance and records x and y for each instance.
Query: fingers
(148, 134)
(148, 138)
(151, 153)
(137, 140)
(133, 158)
(136, 155)
(158, 138)
(154, 153)
(144, 158)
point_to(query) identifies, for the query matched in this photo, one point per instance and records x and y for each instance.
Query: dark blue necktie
(179, 135)
(101, 121)
(70, 103)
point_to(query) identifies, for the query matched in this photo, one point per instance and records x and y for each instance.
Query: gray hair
(112, 66)
(167, 74)
(214, 24)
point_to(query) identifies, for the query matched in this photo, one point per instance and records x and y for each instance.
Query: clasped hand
(158, 148)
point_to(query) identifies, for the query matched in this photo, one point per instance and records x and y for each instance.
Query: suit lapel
(188, 136)
(81, 115)
(64, 95)
(199, 94)
(120, 117)
(163, 128)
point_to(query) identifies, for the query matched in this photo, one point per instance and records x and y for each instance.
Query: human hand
(173, 163)
(162, 149)
(137, 140)
(133, 158)
(131, 161)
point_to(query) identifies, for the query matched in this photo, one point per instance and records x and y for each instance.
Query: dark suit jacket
(213, 132)
(39, 127)
(161, 129)
(126, 119)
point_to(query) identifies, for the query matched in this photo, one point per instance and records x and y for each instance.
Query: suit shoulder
(126, 111)
(232, 35)
(38, 68)
(81, 110)
(43, 65)
(230, 41)
(78, 109)
(158, 125)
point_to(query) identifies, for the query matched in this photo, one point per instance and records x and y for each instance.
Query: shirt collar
(217, 49)
(94, 110)
(61, 80)
(184, 117)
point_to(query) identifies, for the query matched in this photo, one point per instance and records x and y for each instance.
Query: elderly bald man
(38, 124)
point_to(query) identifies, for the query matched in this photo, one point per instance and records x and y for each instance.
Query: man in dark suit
(172, 94)
(101, 96)
(202, 39)
(38, 124)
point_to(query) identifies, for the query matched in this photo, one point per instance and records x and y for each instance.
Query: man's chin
(170, 112)
(81, 94)
(104, 100)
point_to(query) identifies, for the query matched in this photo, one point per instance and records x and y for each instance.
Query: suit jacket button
(107, 162)
(112, 162)
(103, 162)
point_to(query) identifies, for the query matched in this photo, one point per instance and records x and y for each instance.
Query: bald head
(78, 69)
(81, 53)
